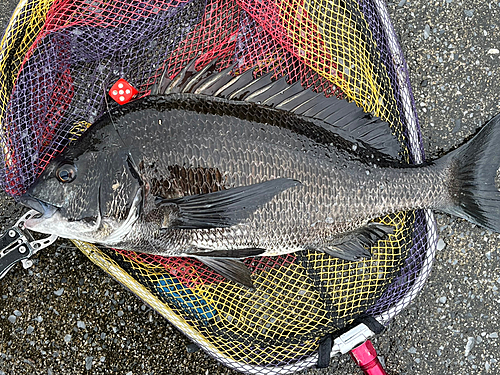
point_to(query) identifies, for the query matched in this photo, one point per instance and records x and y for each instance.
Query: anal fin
(232, 269)
(356, 244)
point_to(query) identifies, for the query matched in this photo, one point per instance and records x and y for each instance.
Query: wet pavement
(65, 316)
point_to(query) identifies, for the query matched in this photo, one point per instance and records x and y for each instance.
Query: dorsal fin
(332, 113)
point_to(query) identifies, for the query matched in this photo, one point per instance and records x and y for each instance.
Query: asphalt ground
(65, 316)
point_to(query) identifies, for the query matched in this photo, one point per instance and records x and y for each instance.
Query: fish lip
(46, 209)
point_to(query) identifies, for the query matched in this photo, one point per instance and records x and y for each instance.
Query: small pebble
(441, 244)
(30, 330)
(67, 338)
(12, 319)
(80, 324)
(59, 292)
(427, 31)
(442, 300)
(88, 363)
(469, 12)
(412, 350)
(469, 345)
(458, 125)
(382, 360)
(493, 335)
(401, 3)
(192, 348)
(493, 51)
(120, 313)
(17, 313)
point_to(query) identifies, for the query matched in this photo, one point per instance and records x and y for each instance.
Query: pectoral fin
(356, 244)
(223, 208)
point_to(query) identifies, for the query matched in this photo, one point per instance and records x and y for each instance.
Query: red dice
(122, 91)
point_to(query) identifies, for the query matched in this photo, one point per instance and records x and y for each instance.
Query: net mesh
(59, 59)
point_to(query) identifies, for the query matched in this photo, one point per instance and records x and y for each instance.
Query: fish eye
(66, 173)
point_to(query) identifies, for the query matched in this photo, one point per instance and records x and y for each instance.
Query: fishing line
(110, 115)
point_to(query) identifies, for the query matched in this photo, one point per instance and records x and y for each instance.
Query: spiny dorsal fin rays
(160, 87)
(213, 83)
(205, 73)
(279, 94)
(181, 79)
(266, 93)
(258, 86)
(252, 86)
(295, 101)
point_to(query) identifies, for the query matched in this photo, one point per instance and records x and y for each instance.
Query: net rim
(8, 33)
(416, 149)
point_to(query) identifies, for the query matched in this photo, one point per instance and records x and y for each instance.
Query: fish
(221, 167)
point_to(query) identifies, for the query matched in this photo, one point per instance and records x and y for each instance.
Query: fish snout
(46, 209)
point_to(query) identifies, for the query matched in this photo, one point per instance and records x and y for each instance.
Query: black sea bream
(222, 168)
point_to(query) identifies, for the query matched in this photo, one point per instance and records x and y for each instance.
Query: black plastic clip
(17, 245)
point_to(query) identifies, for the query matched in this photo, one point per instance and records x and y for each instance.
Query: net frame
(408, 113)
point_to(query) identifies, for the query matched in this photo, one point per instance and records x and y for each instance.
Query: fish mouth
(46, 209)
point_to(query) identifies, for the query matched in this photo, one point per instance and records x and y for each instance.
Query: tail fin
(474, 166)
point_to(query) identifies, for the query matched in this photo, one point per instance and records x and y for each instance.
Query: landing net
(59, 58)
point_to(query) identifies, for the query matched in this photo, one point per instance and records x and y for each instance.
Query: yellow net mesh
(24, 27)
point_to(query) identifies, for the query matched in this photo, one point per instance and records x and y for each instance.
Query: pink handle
(366, 358)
